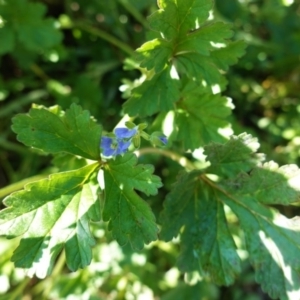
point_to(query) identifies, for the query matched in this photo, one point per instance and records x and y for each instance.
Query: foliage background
(83, 63)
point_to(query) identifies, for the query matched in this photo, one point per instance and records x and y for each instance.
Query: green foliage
(207, 246)
(227, 217)
(186, 60)
(161, 87)
(273, 243)
(54, 131)
(130, 218)
(31, 31)
(203, 113)
(236, 155)
(51, 214)
(197, 204)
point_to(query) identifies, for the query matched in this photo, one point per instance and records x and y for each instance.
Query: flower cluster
(119, 142)
(112, 146)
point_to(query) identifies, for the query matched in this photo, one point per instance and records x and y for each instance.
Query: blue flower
(113, 146)
(122, 133)
(158, 139)
(163, 139)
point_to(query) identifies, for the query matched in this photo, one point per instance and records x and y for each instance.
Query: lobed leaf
(74, 132)
(273, 243)
(236, 155)
(206, 243)
(129, 216)
(272, 240)
(52, 214)
(188, 48)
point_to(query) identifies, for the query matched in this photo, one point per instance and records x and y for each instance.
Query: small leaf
(51, 214)
(206, 243)
(75, 132)
(129, 216)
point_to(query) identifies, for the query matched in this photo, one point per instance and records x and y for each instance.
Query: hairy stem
(105, 36)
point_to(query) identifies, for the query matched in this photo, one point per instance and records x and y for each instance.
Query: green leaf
(154, 54)
(130, 218)
(236, 155)
(227, 56)
(269, 184)
(73, 132)
(187, 44)
(158, 94)
(198, 67)
(206, 243)
(66, 162)
(199, 117)
(27, 21)
(180, 16)
(201, 40)
(51, 214)
(273, 243)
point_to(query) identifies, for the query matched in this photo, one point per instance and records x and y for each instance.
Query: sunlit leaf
(52, 214)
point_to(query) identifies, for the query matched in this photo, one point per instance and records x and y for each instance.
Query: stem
(18, 291)
(39, 72)
(16, 104)
(134, 12)
(12, 146)
(105, 36)
(183, 161)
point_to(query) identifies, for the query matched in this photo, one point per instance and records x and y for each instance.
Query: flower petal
(106, 145)
(163, 139)
(122, 146)
(106, 142)
(122, 133)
